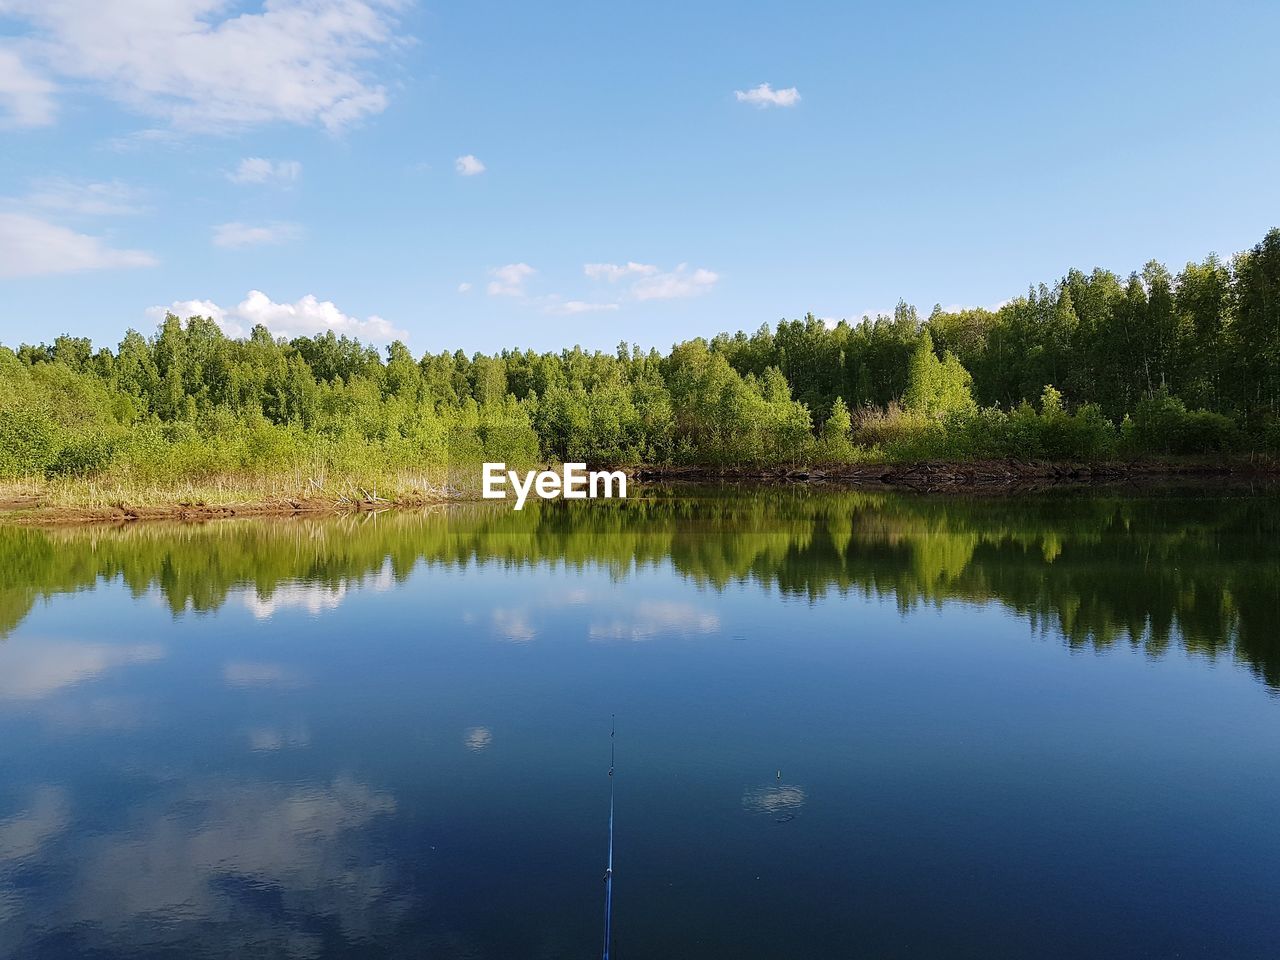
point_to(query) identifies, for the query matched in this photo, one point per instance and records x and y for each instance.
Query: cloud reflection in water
(33, 668)
(261, 861)
(651, 618)
(776, 799)
(477, 738)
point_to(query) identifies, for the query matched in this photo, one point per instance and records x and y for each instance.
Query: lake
(848, 724)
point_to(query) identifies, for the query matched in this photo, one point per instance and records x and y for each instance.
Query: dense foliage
(1095, 366)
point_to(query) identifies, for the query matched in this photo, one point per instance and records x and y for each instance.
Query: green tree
(836, 444)
(937, 387)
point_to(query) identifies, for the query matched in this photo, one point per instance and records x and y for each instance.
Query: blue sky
(303, 162)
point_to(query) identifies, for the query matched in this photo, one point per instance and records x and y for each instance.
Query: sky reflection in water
(849, 724)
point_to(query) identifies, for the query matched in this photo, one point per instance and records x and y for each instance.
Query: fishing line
(608, 873)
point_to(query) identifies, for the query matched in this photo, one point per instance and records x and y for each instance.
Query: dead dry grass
(37, 500)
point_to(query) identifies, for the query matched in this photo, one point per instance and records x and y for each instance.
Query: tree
(937, 387)
(1202, 305)
(1257, 333)
(836, 444)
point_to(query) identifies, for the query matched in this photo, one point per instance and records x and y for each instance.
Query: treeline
(1095, 366)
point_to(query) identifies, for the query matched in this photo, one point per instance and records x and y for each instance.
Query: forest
(1096, 366)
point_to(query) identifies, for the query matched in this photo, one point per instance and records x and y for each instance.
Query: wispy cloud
(237, 234)
(675, 284)
(613, 272)
(557, 305)
(639, 281)
(83, 198)
(765, 96)
(509, 280)
(649, 282)
(26, 97)
(31, 246)
(262, 170)
(140, 139)
(303, 317)
(468, 166)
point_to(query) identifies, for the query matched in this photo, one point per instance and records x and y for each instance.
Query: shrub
(1162, 424)
(29, 441)
(834, 445)
(82, 457)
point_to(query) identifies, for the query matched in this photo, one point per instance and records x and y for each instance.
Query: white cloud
(571, 307)
(237, 234)
(207, 65)
(262, 170)
(678, 283)
(765, 96)
(183, 309)
(468, 166)
(464, 288)
(648, 282)
(99, 199)
(138, 139)
(304, 317)
(509, 280)
(613, 272)
(30, 246)
(26, 98)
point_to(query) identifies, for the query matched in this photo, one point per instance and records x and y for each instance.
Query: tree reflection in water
(1151, 569)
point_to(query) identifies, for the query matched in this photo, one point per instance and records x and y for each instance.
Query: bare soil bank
(995, 476)
(32, 509)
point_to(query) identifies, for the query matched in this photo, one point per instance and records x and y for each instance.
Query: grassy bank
(76, 499)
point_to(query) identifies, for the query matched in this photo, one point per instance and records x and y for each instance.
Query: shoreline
(1011, 476)
(32, 512)
(32, 506)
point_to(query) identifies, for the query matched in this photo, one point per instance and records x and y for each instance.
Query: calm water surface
(849, 725)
